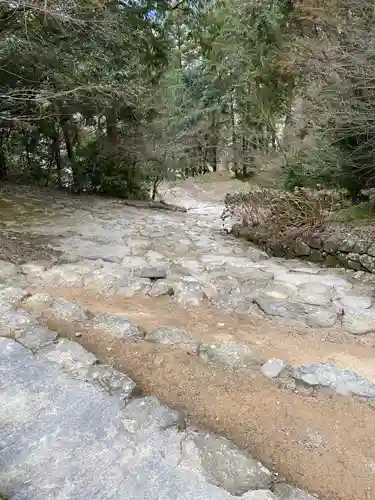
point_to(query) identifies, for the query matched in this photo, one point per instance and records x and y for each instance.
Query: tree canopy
(110, 96)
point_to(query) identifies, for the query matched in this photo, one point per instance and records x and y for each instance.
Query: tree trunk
(71, 155)
(234, 137)
(56, 152)
(3, 162)
(111, 122)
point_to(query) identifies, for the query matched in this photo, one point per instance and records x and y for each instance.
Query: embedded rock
(229, 354)
(342, 381)
(273, 368)
(174, 336)
(118, 327)
(223, 464)
(359, 321)
(284, 491)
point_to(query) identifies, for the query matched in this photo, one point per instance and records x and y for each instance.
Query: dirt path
(314, 438)
(322, 442)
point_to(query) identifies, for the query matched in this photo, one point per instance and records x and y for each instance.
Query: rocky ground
(144, 354)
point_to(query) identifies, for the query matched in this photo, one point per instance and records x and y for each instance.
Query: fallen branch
(155, 205)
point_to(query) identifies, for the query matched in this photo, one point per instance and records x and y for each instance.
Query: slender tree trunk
(3, 161)
(234, 136)
(56, 153)
(111, 123)
(215, 141)
(65, 127)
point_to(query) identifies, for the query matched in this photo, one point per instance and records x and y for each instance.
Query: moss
(354, 213)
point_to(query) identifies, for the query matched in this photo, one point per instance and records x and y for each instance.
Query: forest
(113, 96)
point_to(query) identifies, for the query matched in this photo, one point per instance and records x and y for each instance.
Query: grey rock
(229, 354)
(371, 250)
(62, 438)
(368, 262)
(147, 416)
(317, 294)
(174, 336)
(282, 308)
(273, 368)
(38, 302)
(70, 356)
(353, 261)
(347, 245)
(128, 287)
(13, 295)
(361, 246)
(65, 275)
(356, 302)
(222, 464)
(112, 381)
(301, 248)
(321, 318)
(188, 292)
(359, 321)
(331, 244)
(118, 327)
(259, 495)
(65, 310)
(284, 491)
(7, 270)
(153, 273)
(35, 337)
(316, 256)
(314, 241)
(161, 288)
(342, 381)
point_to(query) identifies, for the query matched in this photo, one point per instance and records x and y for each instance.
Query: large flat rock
(63, 438)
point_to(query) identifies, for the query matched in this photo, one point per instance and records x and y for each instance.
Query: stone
(316, 256)
(160, 288)
(13, 295)
(112, 381)
(361, 246)
(128, 287)
(38, 302)
(300, 248)
(259, 495)
(35, 337)
(70, 356)
(7, 270)
(188, 292)
(331, 244)
(33, 270)
(321, 318)
(343, 259)
(273, 368)
(353, 261)
(65, 310)
(147, 416)
(356, 302)
(342, 381)
(64, 276)
(347, 245)
(223, 464)
(313, 241)
(118, 327)
(359, 321)
(153, 273)
(229, 354)
(168, 335)
(79, 442)
(284, 491)
(282, 308)
(331, 261)
(316, 294)
(368, 262)
(371, 250)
